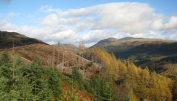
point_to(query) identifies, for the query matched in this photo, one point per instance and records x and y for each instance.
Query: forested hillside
(135, 83)
(157, 54)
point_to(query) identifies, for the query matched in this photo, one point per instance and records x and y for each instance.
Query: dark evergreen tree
(37, 77)
(6, 65)
(103, 89)
(77, 78)
(55, 83)
(14, 86)
(5, 59)
(21, 81)
(6, 76)
(174, 90)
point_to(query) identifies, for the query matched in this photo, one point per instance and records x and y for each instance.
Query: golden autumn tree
(141, 84)
(106, 60)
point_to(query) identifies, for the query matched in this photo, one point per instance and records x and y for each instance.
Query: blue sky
(72, 21)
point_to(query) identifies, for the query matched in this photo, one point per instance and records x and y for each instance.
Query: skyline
(89, 21)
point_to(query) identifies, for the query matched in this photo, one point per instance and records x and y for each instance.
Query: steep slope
(30, 49)
(56, 56)
(154, 53)
(6, 39)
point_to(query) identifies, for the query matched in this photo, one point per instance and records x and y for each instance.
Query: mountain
(127, 38)
(144, 52)
(106, 41)
(7, 39)
(69, 47)
(130, 41)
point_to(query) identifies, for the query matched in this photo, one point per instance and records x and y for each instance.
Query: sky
(89, 21)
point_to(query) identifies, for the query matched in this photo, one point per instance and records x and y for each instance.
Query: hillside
(24, 80)
(153, 53)
(69, 47)
(63, 59)
(7, 39)
(30, 49)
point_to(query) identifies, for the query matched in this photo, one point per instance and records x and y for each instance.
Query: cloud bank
(94, 23)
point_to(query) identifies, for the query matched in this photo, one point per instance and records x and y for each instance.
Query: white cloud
(86, 23)
(53, 20)
(47, 34)
(4, 25)
(172, 23)
(50, 20)
(157, 24)
(125, 16)
(60, 33)
(96, 35)
(160, 24)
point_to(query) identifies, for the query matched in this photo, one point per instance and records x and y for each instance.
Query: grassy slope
(157, 54)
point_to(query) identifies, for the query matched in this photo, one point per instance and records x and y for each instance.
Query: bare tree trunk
(62, 63)
(13, 67)
(58, 58)
(52, 57)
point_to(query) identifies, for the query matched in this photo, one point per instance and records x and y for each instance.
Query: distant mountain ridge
(130, 41)
(153, 53)
(127, 38)
(113, 41)
(69, 47)
(7, 38)
(105, 41)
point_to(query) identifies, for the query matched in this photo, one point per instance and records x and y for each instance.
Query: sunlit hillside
(156, 54)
